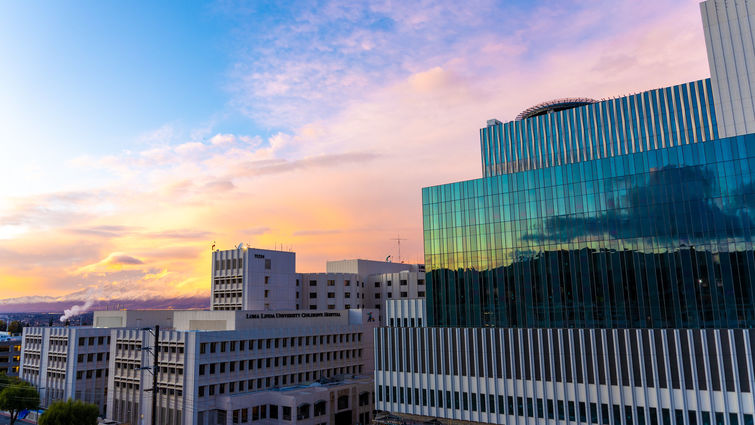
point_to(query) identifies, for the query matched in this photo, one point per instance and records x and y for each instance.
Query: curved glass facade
(656, 239)
(654, 119)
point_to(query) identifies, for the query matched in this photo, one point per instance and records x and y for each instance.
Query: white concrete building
(228, 367)
(255, 279)
(67, 362)
(276, 347)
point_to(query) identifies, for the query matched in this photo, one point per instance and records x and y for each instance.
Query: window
(267, 280)
(388, 283)
(377, 296)
(302, 412)
(320, 408)
(331, 283)
(420, 281)
(347, 295)
(404, 294)
(377, 284)
(346, 283)
(402, 282)
(343, 402)
(312, 295)
(268, 264)
(312, 283)
(331, 294)
(267, 293)
(420, 293)
(286, 413)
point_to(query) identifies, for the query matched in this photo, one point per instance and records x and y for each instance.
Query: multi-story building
(230, 367)
(282, 361)
(248, 278)
(253, 279)
(10, 354)
(602, 271)
(67, 362)
(214, 367)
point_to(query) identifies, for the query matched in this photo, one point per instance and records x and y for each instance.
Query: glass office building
(602, 269)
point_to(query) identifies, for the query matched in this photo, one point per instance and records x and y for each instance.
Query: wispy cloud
(366, 102)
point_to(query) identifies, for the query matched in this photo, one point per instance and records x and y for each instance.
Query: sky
(135, 134)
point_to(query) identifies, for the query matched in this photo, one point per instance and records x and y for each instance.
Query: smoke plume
(76, 310)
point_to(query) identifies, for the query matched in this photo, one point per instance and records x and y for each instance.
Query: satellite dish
(241, 245)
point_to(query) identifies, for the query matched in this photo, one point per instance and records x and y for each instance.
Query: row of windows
(101, 340)
(333, 306)
(657, 358)
(550, 409)
(94, 373)
(226, 281)
(124, 366)
(243, 415)
(402, 282)
(164, 390)
(313, 295)
(229, 264)
(406, 322)
(58, 343)
(278, 361)
(268, 343)
(275, 381)
(81, 358)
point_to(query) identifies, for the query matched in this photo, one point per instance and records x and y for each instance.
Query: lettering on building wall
(290, 315)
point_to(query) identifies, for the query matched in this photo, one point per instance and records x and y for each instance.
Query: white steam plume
(76, 310)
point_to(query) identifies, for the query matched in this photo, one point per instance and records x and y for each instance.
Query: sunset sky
(134, 134)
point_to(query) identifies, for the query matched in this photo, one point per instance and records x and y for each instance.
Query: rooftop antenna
(398, 240)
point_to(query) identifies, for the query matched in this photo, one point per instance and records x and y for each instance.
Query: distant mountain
(184, 303)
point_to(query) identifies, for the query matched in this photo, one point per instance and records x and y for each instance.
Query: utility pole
(155, 370)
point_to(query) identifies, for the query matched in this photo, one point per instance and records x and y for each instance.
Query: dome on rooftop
(554, 105)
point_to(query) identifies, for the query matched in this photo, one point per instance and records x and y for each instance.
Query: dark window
(536, 353)
(739, 347)
(727, 362)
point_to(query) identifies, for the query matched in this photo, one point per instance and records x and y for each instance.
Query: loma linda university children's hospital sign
(291, 315)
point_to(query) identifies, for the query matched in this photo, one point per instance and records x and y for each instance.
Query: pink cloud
(346, 178)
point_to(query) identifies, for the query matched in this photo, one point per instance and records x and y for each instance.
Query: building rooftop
(554, 105)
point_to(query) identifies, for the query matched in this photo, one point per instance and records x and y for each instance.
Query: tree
(15, 327)
(17, 395)
(71, 412)
(3, 325)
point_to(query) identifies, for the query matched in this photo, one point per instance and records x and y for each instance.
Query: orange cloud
(338, 186)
